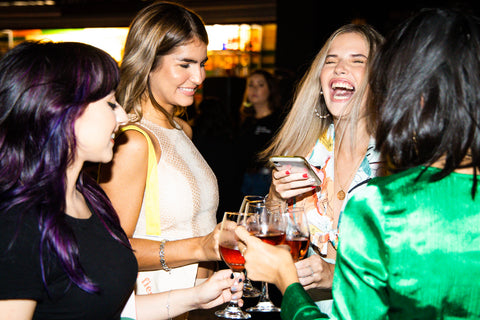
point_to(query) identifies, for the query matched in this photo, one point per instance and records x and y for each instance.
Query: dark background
(302, 25)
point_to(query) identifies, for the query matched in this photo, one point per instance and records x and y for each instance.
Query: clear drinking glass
(249, 291)
(297, 232)
(268, 223)
(233, 258)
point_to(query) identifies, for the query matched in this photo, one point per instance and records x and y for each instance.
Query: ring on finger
(311, 270)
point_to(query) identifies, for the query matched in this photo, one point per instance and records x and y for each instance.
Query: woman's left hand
(314, 272)
(218, 289)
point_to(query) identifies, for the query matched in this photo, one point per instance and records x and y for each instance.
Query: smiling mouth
(188, 90)
(342, 90)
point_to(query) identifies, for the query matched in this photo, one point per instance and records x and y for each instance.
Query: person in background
(63, 253)
(163, 64)
(409, 241)
(260, 118)
(328, 125)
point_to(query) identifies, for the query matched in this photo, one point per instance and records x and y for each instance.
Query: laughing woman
(328, 124)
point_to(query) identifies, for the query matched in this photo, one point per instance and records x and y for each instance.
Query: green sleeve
(297, 305)
(360, 281)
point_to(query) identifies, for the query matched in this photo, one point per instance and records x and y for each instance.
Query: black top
(108, 263)
(254, 136)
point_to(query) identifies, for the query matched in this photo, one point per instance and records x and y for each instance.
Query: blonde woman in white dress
(162, 67)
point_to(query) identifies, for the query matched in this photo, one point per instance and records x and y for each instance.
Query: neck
(349, 146)
(156, 116)
(261, 110)
(440, 163)
(74, 201)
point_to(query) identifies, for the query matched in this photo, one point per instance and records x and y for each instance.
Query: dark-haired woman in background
(410, 241)
(63, 253)
(260, 118)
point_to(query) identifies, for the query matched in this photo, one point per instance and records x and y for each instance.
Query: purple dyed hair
(44, 88)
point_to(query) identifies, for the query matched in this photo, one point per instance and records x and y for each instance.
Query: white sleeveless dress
(188, 198)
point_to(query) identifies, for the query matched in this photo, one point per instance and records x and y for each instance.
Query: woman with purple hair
(63, 253)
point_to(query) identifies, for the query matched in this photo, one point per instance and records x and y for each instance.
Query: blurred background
(279, 35)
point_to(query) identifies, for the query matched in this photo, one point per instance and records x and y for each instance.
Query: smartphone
(296, 162)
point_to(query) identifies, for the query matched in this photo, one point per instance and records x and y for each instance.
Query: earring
(414, 139)
(319, 115)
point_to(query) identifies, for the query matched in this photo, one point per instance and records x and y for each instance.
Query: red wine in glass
(272, 237)
(233, 258)
(298, 247)
(228, 246)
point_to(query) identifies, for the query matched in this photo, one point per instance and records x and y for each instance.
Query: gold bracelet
(161, 253)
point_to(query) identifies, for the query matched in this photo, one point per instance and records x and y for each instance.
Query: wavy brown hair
(154, 32)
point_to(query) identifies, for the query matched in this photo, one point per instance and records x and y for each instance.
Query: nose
(120, 116)
(198, 75)
(341, 67)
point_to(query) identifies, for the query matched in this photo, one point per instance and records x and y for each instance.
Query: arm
(215, 291)
(17, 309)
(124, 182)
(361, 270)
(272, 264)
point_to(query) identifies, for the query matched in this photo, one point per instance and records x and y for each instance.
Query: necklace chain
(341, 193)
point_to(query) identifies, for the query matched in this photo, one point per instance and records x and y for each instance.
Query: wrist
(287, 274)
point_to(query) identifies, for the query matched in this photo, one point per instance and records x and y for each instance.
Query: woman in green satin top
(410, 242)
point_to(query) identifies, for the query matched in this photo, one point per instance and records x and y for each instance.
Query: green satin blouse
(409, 249)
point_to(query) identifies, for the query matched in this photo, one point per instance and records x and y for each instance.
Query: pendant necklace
(341, 193)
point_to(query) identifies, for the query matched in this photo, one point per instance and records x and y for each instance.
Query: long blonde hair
(302, 127)
(155, 31)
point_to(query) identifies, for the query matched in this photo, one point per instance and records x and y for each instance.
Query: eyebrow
(193, 60)
(353, 55)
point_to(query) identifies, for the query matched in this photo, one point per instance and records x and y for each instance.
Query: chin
(187, 102)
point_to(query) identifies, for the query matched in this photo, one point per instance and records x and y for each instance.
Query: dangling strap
(151, 205)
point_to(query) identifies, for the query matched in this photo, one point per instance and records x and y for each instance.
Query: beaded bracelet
(162, 256)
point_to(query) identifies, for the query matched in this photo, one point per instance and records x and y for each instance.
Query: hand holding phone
(297, 164)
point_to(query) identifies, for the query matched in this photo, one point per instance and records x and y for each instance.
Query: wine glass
(249, 291)
(297, 232)
(233, 258)
(268, 223)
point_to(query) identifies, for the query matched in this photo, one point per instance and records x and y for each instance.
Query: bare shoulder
(130, 157)
(133, 141)
(185, 127)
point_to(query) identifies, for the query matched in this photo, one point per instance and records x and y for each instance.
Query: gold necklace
(341, 193)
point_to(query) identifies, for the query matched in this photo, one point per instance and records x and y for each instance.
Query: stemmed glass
(297, 233)
(249, 291)
(233, 258)
(269, 224)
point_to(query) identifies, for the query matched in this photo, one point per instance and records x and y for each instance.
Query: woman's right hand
(210, 245)
(286, 184)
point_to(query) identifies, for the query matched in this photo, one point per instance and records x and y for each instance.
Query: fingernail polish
(240, 280)
(232, 276)
(305, 175)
